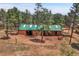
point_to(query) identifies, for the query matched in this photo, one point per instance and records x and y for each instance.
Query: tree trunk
(72, 29)
(42, 36)
(7, 30)
(18, 26)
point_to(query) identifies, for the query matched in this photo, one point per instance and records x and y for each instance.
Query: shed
(36, 29)
(56, 29)
(23, 29)
(29, 29)
(52, 29)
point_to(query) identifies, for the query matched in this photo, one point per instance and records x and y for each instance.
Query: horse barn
(53, 30)
(29, 29)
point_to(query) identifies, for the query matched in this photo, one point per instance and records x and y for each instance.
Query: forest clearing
(42, 33)
(20, 45)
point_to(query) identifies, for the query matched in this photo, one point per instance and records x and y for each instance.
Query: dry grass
(13, 48)
(66, 50)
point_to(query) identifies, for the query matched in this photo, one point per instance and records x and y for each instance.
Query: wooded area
(14, 21)
(11, 18)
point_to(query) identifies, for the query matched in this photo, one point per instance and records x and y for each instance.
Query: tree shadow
(75, 46)
(13, 33)
(5, 37)
(49, 39)
(76, 32)
(37, 40)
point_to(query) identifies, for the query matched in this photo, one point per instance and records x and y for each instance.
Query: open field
(30, 45)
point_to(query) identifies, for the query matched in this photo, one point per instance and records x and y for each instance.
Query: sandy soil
(32, 45)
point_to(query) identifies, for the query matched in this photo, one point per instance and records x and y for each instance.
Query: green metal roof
(39, 27)
(23, 27)
(52, 27)
(55, 27)
(29, 27)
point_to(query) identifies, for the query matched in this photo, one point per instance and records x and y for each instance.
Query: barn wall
(23, 32)
(52, 33)
(46, 33)
(36, 33)
(59, 33)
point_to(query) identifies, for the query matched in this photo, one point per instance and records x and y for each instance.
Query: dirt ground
(21, 45)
